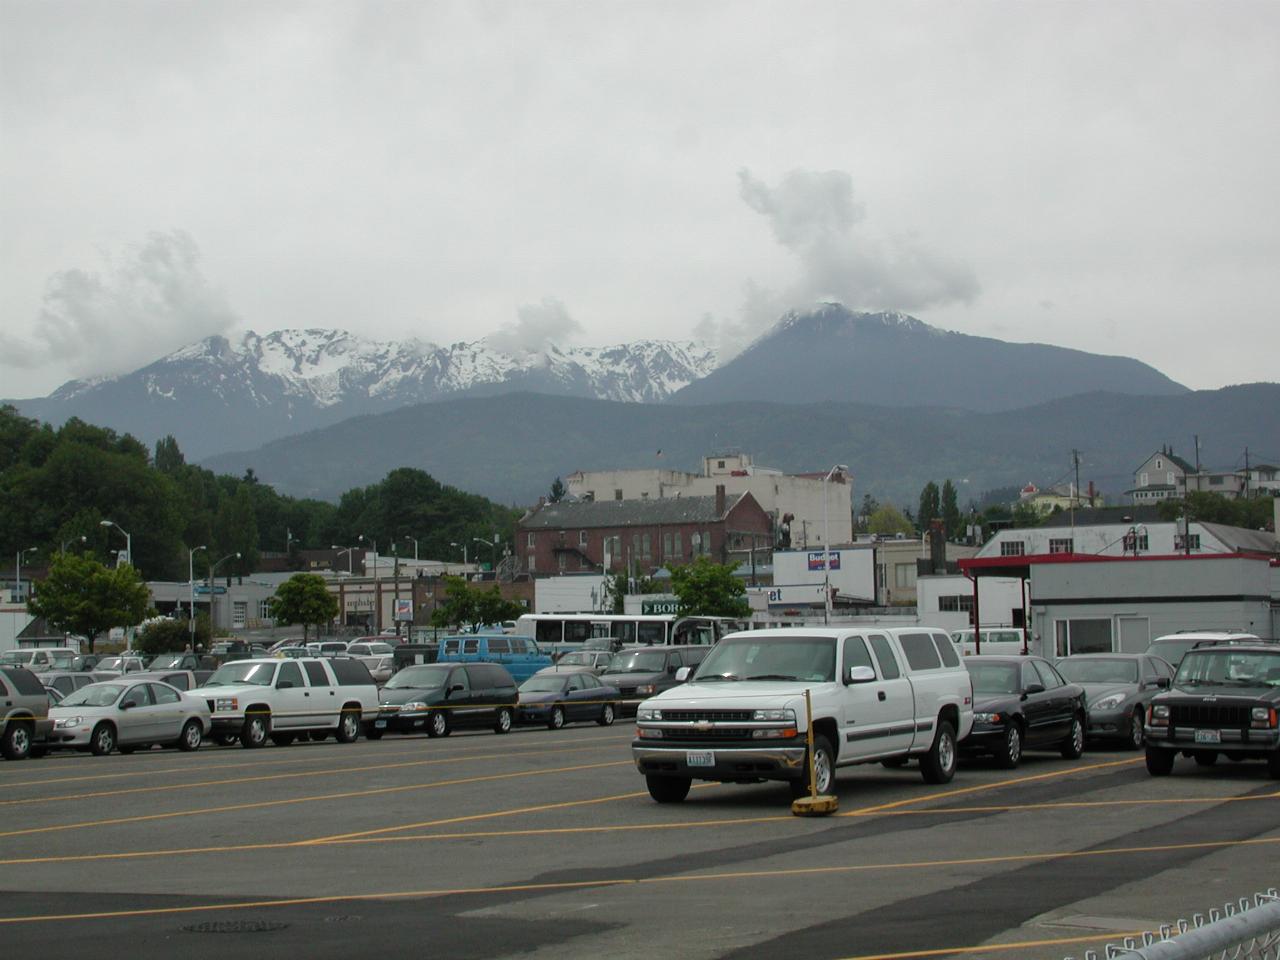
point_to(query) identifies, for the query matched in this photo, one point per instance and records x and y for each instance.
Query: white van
(995, 641)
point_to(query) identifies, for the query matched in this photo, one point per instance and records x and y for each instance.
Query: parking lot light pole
(128, 539)
(82, 538)
(494, 545)
(826, 546)
(213, 595)
(463, 545)
(348, 551)
(377, 594)
(415, 546)
(191, 582)
(17, 577)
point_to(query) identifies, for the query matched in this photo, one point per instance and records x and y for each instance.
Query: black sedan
(1118, 688)
(1020, 703)
(559, 698)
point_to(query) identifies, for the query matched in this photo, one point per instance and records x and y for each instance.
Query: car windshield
(94, 695)
(543, 685)
(1230, 667)
(1109, 670)
(260, 674)
(109, 663)
(802, 658)
(17, 658)
(647, 661)
(166, 661)
(993, 677)
(575, 660)
(418, 678)
(62, 658)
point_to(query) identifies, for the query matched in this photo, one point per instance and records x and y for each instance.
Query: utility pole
(1246, 472)
(1075, 495)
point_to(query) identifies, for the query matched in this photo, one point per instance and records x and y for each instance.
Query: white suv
(877, 694)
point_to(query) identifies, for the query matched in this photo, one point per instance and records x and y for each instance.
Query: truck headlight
(648, 733)
(648, 713)
(1109, 702)
(775, 733)
(226, 703)
(1159, 715)
(787, 714)
(1263, 718)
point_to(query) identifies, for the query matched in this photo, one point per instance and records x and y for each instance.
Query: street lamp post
(348, 551)
(377, 596)
(826, 546)
(213, 594)
(128, 539)
(17, 577)
(81, 538)
(415, 546)
(191, 583)
(493, 544)
(463, 545)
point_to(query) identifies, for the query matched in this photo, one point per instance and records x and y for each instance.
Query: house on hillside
(1162, 476)
(642, 534)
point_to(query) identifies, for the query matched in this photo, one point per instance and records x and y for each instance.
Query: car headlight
(1109, 702)
(787, 714)
(647, 689)
(1263, 717)
(69, 722)
(1160, 711)
(226, 703)
(413, 706)
(987, 718)
(648, 713)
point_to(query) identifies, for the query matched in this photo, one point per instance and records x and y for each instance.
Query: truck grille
(704, 735)
(715, 716)
(1208, 715)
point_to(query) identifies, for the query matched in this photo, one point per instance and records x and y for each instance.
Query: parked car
(1172, 646)
(995, 642)
(127, 715)
(327, 648)
(1021, 703)
(124, 663)
(200, 666)
(24, 712)
(1224, 701)
(68, 681)
(566, 696)
(366, 647)
(184, 680)
(1118, 688)
(381, 668)
(40, 659)
(439, 697)
(278, 699)
(519, 655)
(597, 661)
(642, 672)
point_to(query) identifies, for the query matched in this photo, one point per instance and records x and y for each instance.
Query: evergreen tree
(557, 492)
(951, 512)
(930, 506)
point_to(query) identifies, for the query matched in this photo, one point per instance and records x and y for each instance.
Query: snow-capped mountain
(217, 395)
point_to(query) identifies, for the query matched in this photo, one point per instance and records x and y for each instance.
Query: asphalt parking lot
(544, 844)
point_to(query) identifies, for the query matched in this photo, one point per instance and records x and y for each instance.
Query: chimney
(719, 500)
(937, 547)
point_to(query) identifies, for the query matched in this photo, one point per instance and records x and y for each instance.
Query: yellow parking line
(376, 791)
(1000, 947)
(649, 881)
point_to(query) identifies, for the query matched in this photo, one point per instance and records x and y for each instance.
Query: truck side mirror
(683, 674)
(858, 675)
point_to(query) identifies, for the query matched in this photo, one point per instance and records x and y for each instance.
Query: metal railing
(1240, 931)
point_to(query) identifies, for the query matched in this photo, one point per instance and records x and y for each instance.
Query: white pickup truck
(256, 700)
(878, 694)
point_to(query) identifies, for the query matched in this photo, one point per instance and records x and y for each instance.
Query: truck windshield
(770, 658)
(260, 674)
(1222, 665)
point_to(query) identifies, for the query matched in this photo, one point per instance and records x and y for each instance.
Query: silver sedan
(125, 714)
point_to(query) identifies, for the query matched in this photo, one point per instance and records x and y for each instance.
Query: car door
(292, 697)
(575, 697)
(1062, 695)
(1037, 706)
(139, 722)
(168, 708)
(458, 697)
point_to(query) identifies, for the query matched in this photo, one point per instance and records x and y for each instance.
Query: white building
(946, 600)
(813, 504)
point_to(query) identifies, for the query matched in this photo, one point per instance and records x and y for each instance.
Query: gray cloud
(815, 216)
(537, 327)
(153, 300)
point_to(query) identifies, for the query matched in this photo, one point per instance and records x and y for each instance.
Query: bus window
(547, 631)
(651, 632)
(625, 630)
(577, 631)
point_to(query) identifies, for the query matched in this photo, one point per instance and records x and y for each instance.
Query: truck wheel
(1206, 758)
(668, 789)
(504, 721)
(1073, 746)
(438, 724)
(939, 764)
(1159, 761)
(103, 740)
(824, 770)
(191, 737)
(1011, 750)
(16, 742)
(1137, 735)
(349, 724)
(256, 729)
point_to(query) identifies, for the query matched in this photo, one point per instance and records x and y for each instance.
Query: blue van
(519, 655)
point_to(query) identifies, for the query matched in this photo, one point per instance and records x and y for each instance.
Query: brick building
(607, 535)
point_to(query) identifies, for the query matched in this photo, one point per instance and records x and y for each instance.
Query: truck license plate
(1208, 736)
(700, 758)
(380, 724)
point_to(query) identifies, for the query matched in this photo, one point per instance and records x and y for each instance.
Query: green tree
(84, 596)
(951, 521)
(1252, 513)
(304, 599)
(887, 521)
(615, 591)
(469, 606)
(169, 458)
(930, 506)
(557, 492)
(709, 589)
(869, 506)
(236, 530)
(163, 635)
(1025, 515)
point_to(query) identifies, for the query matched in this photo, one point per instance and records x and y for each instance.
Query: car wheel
(191, 737)
(668, 789)
(1073, 746)
(256, 729)
(225, 739)
(939, 764)
(1011, 753)
(282, 739)
(1159, 761)
(16, 743)
(503, 723)
(606, 716)
(824, 770)
(349, 725)
(1137, 735)
(556, 720)
(103, 739)
(1206, 758)
(438, 724)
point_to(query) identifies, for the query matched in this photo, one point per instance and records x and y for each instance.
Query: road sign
(203, 591)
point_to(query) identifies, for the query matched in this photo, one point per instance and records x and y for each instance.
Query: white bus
(554, 629)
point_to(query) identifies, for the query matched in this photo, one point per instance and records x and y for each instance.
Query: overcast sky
(1093, 175)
